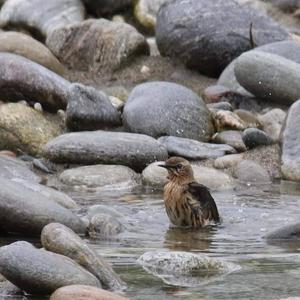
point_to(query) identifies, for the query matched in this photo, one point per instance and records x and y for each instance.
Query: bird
(187, 202)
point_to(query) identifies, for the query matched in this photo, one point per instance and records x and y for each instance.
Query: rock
(249, 171)
(103, 209)
(183, 268)
(275, 77)
(155, 176)
(106, 7)
(254, 137)
(7, 153)
(290, 158)
(249, 118)
(46, 17)
(224, 119)
(16, 133)
(171, 110)
(96, 45)
(133, 150)
(37, 271)
(193, 149)
(24, 45)
(62, 240)
(102, 225)
(145, 12)
(272, 123)
(232, 138)
(214, 107)
(104, 177)
(286, 5)
(289, 232)
(23, 210)
(216, 93)
(8, 290)
(228, 161)
(22, 79)
(89, 109)
(13, 168)
(209, 35)
(116, 103)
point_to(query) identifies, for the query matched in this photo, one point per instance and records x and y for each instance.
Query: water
(266, 271)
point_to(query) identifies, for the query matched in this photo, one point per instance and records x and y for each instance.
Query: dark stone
(37, 271)
(89, 109)
(208, 35)
(164, 108)
(254, 137)
(133, 150)
(232, 138)
(106, 7)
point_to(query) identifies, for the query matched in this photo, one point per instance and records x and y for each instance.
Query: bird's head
(179, 169)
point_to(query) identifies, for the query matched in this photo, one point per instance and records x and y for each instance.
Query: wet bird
(187, 202)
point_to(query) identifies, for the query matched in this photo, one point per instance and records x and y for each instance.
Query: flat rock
(17, 133)
(24, 45)
(23, 210)
(62, 240)
(269, 76)
(23, 79)
(254, 137)
(41, 17)
(104, 177)
(193, 149)
(290, 158)
(289, 232)
(232, 138)
(90, 109)
(106, 7)
(165, 108)
(227, 161)
(96, 45)
(209, 35)
(96, 147)
(37, 271)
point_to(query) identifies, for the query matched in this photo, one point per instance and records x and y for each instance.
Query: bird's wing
(202, 196)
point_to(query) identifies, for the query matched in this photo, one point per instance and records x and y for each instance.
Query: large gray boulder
(208, 35)
(165, 108)
(41, 16)
(290, 159)
(23, 210)
(37, 271)
(96, 147)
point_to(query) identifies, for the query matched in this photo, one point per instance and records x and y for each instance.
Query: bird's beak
(166, 166)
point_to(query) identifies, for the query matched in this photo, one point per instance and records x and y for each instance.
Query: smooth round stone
(37, 271)
(289, 232)
(254, 137)
(227, 161)
(102, 225)
(248, 118)
(171, 109)
(290, 158)
(41, 19)
(82, 292)
(232, 138)
(24, 45)
(208, 35)
(18, 134)
(106, 7)
(26, 211)
(103, 209)
(224, 119)
(154, 175)
(106, 177)
(248, 171)
(219, 106)
(193, 149)
(62, 240)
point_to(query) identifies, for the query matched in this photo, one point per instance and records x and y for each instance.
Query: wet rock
(16, 133)
(61, 239)
(37, 271)
(249, 171)
(254, 137)
(46, 17)
(289, 232)
(103, 209)
(224, 119)
(104, 177)
(219, 106)
(183, 268)
(23, 210)
(106, 7)
(145, 12)
(96, 45)
(184, 30)
(272, 123)
(89, 109)
(232, 138)
(22, 79)
(290, 158)
(172, 109)
(193, 149)
(102, 225)
(133, 150)
(82, 292)
(24, 45)
(249, 118)
(155, 176)
(228, 161)
(269, 76)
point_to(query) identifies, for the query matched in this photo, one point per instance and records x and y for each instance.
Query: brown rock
(250, 120)
(7, 153)
(224, 119)
(216, 93)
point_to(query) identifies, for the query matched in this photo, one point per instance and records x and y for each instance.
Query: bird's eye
(179, 166)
